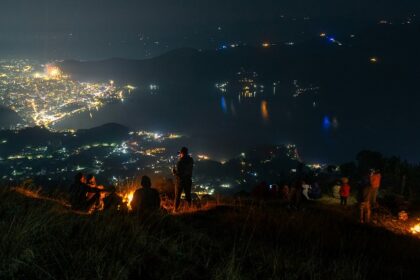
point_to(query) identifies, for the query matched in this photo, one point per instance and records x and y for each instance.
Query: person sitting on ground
(315, 191)
(80, 194)
(145, 199)
(344, 191)
(113, 201)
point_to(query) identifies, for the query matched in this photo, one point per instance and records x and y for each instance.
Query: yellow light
(37, 75)
(323, 35)
(264, 110)
(52, 71)
(266, 45)
(373, 59)
(415, 229)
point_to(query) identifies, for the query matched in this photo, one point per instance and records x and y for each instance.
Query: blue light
(223, 104)
(326, 123)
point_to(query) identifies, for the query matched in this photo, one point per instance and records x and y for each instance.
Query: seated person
(113, 201)
(81, 198)
(145, 199)
(315, 191)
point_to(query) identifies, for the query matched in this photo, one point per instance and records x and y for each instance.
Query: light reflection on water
(219, 122)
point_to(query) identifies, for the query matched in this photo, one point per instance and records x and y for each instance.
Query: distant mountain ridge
(39, 136)
(313, 59)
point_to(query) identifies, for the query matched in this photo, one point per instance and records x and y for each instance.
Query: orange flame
(127, 198)
(415, 229)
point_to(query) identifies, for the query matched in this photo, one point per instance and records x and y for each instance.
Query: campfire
(415, 229)
(127, 198)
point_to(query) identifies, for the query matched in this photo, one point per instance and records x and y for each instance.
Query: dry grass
(40, 239)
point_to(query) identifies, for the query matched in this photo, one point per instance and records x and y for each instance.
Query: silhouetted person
(80, 194)
(296, 187)
(375, 182)
(183, 173)
(365, 203)
(113, 201)
(145, 199)
(315, 191)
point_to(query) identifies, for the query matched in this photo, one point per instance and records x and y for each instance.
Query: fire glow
(415, 229)
(127, 198)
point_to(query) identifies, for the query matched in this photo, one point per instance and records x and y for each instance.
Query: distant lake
(221, 125)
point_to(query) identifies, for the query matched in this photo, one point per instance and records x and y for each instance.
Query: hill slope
(42, 240)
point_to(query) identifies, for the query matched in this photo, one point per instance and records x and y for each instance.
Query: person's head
(183, 152)
(345, 180)
(90, 179)
(146, 182)
(78, 178)
(112, 189)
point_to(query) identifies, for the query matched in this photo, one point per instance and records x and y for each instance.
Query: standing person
(365, 203)
(146, 199)
(183, 173)
(375, 182)
(344, 191)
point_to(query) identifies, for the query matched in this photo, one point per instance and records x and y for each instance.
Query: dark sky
(136, 28)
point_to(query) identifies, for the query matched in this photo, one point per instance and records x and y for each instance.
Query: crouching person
(113, 202)
(146, 200)
(83, 196)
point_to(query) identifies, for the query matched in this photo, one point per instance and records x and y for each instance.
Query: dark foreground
(43, 240)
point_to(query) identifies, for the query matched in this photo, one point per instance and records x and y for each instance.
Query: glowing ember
(415, 229)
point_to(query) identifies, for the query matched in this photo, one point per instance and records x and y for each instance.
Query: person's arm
(92, 189)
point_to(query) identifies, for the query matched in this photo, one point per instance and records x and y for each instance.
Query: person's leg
(368, 212)
(341, 200)
(374, 197)
(91, 202)
(178, 191)
(345, 201)
(362, 212)
(187, 190)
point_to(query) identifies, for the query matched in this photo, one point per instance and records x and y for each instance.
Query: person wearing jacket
(183, 173)
(344, 191)
(146, 200)
(375, 182)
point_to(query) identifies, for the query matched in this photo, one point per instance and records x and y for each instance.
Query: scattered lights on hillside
(203, 157)
(44, 95)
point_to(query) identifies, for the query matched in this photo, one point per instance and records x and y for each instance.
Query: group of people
(368, 193)
(86, 195)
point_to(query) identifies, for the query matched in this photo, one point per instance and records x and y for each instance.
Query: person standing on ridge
(183, 173)
(375, 182)
(344, 191)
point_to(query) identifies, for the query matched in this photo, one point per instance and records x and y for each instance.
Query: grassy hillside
(43, 240)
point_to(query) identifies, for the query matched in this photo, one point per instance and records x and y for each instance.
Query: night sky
(91, 29)
(101, 29)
